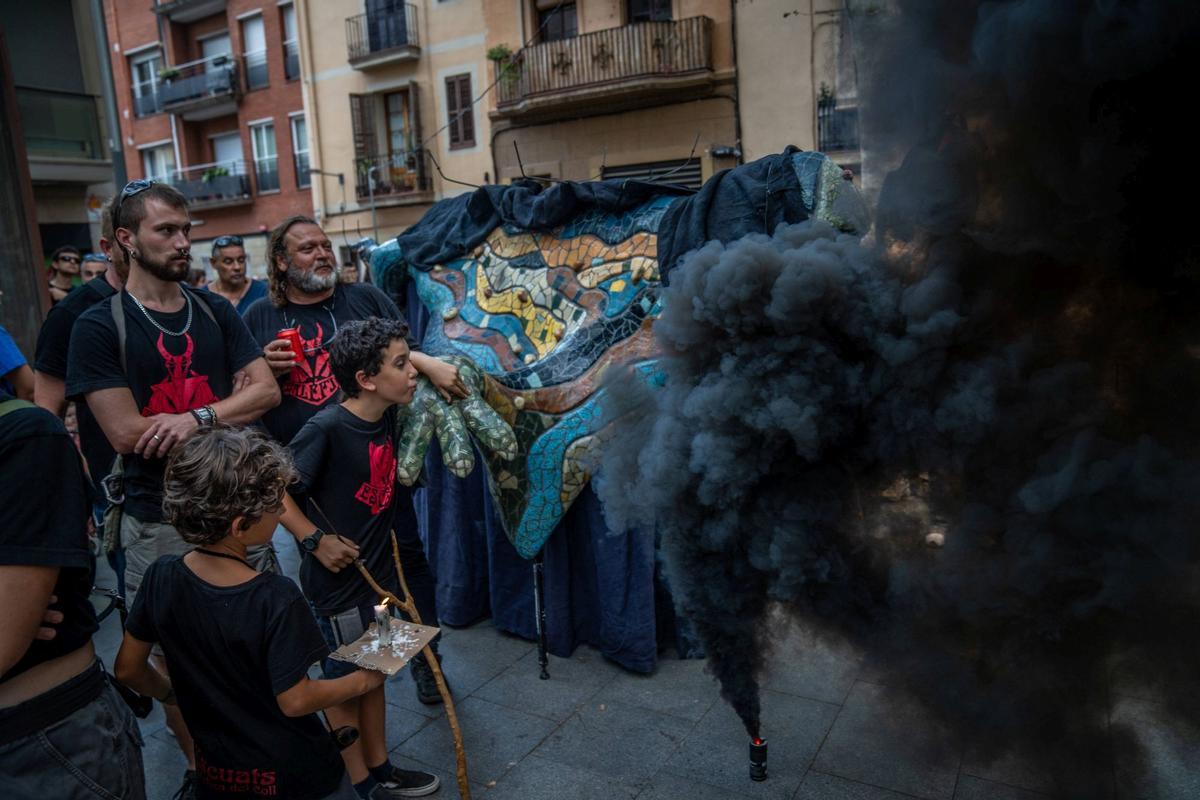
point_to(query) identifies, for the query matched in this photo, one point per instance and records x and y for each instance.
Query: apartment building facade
(59, 85)
(390, 88)
(210, 100)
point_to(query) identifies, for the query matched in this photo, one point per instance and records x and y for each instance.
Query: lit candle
(383, 620)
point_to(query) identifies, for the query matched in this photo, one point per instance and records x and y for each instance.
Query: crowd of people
(206, 417)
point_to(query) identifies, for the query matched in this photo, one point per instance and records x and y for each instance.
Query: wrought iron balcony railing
(385, 176)
(837, 127)
(212, 80)
(641, 50)
(217, 184)
(372, 36)
(61, 124)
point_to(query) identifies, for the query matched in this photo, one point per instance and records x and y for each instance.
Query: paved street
(836, 730)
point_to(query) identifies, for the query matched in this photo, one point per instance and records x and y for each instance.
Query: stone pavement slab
(970, 788)
(819, 786)
(883, 739)
(681, 688)
(538, 779)
(572, 682)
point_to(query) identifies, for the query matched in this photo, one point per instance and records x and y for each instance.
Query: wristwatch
(205, 416)
(309, 543)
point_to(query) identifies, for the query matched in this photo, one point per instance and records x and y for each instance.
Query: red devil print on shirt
(311, 381)
(377, 492)
(182, 389)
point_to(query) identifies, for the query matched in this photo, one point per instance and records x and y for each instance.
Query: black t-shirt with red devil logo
(310, 385)
(168, 373)
(346, 468)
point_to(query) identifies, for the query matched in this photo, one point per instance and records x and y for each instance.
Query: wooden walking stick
(410, 607)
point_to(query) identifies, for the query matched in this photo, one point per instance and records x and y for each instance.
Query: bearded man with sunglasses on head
(155, 363)
(233, 283)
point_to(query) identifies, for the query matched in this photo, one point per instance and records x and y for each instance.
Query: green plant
(168, 73)
(500, 52)
(214, 172)
(824, 94)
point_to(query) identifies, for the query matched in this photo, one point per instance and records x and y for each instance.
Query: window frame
(457, 123)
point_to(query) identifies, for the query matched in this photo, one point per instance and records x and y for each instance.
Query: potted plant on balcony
(507, 64)
(212, 173)
(168, 74)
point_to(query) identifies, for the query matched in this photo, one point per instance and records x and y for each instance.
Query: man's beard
(310, 282)
(170, 269)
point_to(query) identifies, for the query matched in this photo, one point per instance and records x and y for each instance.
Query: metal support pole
(371, 197)
(539, 610)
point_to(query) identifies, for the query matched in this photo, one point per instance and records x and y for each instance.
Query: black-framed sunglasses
(70, 259)
(132, 188)
(227, 241)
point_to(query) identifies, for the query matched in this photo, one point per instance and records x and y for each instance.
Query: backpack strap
(204, 304)
(118, 315)
(14, 404)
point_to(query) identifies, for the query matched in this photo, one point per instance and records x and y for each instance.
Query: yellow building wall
(452, 42)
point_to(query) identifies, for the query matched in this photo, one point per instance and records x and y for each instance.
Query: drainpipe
(737, 85)
(116, 148)
(311, 116)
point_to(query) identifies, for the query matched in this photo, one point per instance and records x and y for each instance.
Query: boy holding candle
(346, 464)
(239, 642)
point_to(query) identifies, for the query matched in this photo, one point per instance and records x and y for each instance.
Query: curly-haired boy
(239, 642)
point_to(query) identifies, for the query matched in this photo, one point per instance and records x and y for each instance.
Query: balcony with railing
(624, 67)
(266, 173)
(199, 89)
(375, 39)
(188, 10)
(61, 124)
(837, 126)
(213, 185)
(393, 176)
(291, 60)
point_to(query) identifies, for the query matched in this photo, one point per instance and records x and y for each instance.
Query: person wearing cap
(232, 283)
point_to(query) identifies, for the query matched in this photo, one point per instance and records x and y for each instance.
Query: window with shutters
(557, 21)
(460, 111)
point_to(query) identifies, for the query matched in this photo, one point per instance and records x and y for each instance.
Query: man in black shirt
(169, 371)
(50, 363)
(305, 294)
(54, 695)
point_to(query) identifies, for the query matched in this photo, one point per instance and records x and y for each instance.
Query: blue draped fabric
(601, 589)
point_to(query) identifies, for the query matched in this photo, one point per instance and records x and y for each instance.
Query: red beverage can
(294, 341)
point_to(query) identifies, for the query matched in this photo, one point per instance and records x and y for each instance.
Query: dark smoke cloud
(1009, 359)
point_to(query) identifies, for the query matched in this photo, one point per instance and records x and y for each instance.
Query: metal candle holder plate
(407, 640)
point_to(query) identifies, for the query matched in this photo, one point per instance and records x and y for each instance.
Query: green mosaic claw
(429, 415)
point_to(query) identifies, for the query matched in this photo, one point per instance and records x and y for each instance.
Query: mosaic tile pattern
(543, 314)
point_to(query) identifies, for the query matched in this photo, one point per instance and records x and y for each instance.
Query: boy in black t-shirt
(346, 464)
(240, 642)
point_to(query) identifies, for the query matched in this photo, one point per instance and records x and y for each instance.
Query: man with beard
(229, 260)
(156, 362)
(305, 293)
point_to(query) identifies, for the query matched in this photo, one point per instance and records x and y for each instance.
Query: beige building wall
(788, 50)
(451, 42)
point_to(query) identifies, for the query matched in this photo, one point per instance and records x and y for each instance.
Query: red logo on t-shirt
(182, 389)
(255, 782)
(311, 380)
(377, 492)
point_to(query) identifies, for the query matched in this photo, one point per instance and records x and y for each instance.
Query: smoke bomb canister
(758, 759)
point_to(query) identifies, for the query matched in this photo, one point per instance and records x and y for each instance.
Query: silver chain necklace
(186, 326)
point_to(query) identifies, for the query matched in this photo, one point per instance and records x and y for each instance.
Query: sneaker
(426, 684)
(188, 790)
(406, 783)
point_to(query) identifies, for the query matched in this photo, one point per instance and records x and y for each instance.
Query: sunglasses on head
(132, 188)
(228, 241)
(100, 257)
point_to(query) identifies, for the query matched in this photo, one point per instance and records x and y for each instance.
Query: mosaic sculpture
(533, 319)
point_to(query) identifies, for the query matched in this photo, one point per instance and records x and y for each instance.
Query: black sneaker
(188, 790)
(406, 783)
(427, 689)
